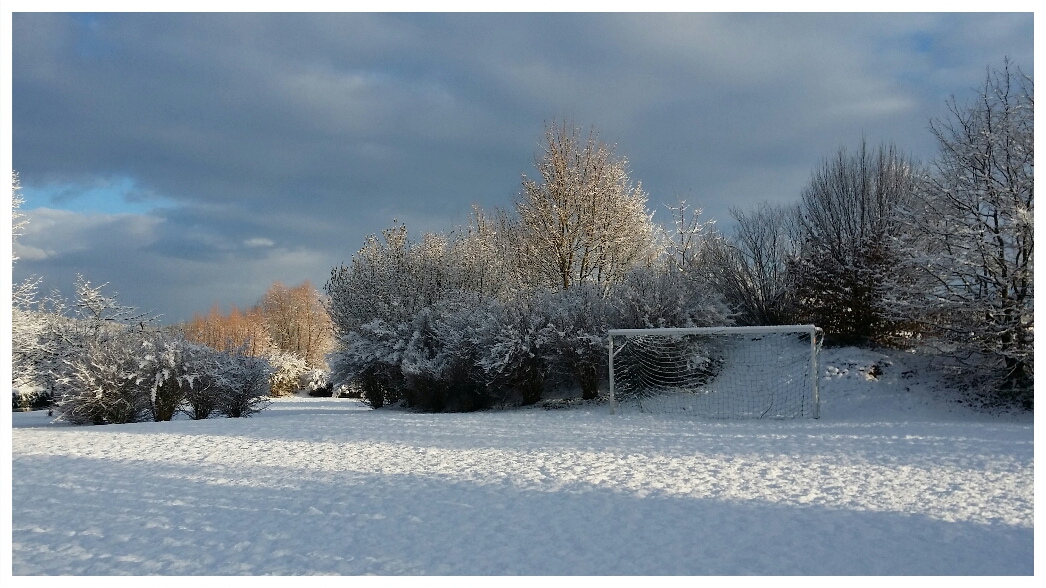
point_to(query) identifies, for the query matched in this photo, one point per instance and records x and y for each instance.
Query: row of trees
(881, 249)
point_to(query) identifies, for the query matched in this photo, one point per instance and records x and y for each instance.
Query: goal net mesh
(728, 376)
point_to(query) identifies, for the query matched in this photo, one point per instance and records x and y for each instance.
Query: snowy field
(895, 478)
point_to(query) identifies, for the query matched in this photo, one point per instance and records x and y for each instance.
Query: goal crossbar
(812, 330)
(716, 330)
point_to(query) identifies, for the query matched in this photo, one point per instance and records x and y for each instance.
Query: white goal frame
(812, 330)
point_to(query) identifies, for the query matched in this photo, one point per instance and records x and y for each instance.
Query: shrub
(287, 369)
(242, 384)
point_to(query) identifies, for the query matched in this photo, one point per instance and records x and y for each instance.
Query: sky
(193, 159)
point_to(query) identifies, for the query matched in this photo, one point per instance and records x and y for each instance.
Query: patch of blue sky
(88, 41)
(115, 196)
(922, 42)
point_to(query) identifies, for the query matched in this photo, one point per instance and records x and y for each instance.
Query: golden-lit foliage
(297, 322)
(290, 319)
(226, 332)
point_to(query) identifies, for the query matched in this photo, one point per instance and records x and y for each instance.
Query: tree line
(880, 250)
(290, 320)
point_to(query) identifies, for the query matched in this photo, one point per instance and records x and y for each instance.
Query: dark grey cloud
(260, 147)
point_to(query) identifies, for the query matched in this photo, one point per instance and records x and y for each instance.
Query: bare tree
(970, 233)
(583, 221)
(750, 269)
(684, 246)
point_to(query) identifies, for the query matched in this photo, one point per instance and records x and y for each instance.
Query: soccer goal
(716, 372)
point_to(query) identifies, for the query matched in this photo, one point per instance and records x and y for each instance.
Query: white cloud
(57, 232)
(29, 253)
(157, 266)
(259, 242)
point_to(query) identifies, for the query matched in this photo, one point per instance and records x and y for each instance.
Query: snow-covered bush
(431, 362)
(201, 390)
(159, 371)
(242, 383)
(516, 361)
(316, 382)
(102, 383)
(369, 359)
(287, 369)
(578, 323)
(656, 297)
(441, 362)
(104, 371)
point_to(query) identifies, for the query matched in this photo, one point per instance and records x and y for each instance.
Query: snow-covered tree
(584, 221)
(687, 238)
(29, 345)
(847, 219)
(970, 236)
(484, 254)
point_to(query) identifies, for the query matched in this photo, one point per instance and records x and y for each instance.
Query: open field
(890, 481)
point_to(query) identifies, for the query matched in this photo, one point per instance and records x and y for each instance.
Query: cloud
(63, 232)
(315, 130)
(144, 260)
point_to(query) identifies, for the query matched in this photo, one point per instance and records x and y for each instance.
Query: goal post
(718, 372)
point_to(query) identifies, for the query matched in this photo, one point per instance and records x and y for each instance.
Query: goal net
(716, 372)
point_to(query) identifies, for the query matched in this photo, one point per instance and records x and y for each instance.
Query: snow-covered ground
(895, 478)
